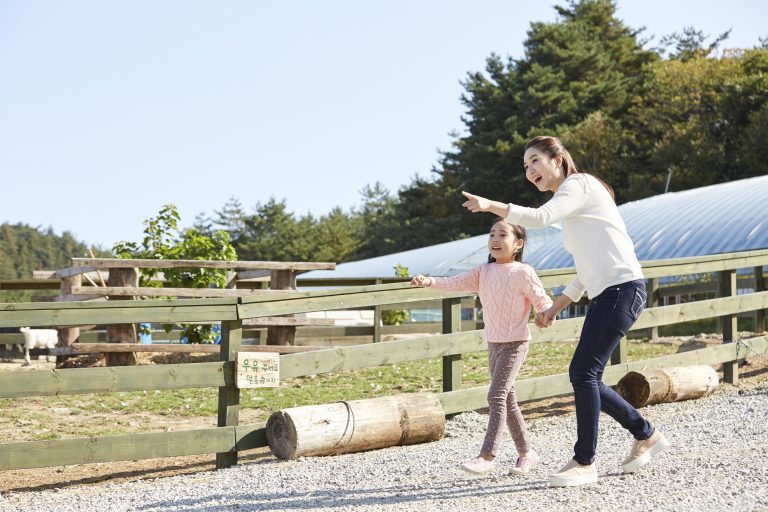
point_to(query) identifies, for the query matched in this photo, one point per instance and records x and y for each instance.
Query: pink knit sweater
(507, 291)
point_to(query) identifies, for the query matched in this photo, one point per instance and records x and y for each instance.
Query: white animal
(38, 338)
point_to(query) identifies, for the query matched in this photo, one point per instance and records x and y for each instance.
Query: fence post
(377, 320)
(619, 354)
(67, 335)
(452, 363)
(652, 302)
(728, 324)
(122, 333)
(229, 394)
(282, 335)
(760, 313)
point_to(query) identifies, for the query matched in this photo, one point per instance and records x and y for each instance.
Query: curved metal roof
(727, 217)
(444, 259)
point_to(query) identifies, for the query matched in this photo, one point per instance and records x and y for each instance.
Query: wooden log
(358, 425)
(663, 385)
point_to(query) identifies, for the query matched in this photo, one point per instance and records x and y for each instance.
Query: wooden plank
(75, 381)
(353, 290)
(88, 450)
(101, 263)
(711, 308)
(29, 284)
(287, 320)
(253, 274)
(191, 348)
(555, 385)
(376, 354)
(114, 315)
(73, 271)
(118, 304)
(333, 302)
(146, 291)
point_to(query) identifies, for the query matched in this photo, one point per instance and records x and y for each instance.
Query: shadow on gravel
(397, 495)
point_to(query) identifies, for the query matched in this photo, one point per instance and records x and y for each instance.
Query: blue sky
(111, 109)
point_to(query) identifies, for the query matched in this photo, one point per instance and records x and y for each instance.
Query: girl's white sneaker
(525, 464)
(477, 466)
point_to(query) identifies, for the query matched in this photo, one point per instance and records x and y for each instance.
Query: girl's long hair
(520, 234)
(552, 147)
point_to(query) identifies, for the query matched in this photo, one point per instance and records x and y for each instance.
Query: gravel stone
(718, 461)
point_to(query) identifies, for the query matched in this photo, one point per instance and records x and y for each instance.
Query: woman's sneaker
(643, 451)
(478, 466)
(524, 464)
(574, 473)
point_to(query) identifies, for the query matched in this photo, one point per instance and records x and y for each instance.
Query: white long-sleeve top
(507, 291)
(593, 232)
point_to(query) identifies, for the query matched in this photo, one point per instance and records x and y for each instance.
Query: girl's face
(541, 170)
(502, 243)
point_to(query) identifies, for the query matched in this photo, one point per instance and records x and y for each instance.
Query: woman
(608, 271)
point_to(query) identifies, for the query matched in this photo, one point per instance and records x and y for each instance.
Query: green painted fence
(229, 437)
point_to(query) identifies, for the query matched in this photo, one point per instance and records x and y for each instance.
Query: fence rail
(229, 437)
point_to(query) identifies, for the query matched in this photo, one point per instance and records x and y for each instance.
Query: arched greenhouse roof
(444, 259)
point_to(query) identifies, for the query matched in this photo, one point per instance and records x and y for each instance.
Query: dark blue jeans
(609, 317)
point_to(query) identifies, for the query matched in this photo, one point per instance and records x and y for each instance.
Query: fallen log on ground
(354, 426)
(662, 385)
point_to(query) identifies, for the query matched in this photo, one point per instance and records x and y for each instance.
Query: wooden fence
(229, 437)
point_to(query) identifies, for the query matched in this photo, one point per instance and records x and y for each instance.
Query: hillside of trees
(685, 111)
(24, 248)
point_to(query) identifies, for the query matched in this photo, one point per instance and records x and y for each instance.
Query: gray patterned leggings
(504, 361)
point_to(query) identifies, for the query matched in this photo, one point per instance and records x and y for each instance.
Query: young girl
(507, 289)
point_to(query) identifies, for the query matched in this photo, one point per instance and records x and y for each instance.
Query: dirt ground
(752, 373)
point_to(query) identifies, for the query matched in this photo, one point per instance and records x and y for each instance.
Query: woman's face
(541, 170)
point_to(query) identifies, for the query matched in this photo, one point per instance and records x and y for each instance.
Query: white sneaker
(478, 466)
(574, 473)
(643, 451)
(525, 464)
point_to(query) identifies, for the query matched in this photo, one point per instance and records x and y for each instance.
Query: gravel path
(718, 461)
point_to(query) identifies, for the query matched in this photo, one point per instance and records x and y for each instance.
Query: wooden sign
(257, 370)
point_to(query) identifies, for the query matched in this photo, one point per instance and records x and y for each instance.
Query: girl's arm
(468, 281)
(536, 292)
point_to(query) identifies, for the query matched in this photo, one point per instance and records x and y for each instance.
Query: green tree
(336, 237)
(163, 240)
(587, 63)
(691, 44)
(701, 121)
(273, 233)
(24, 249)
